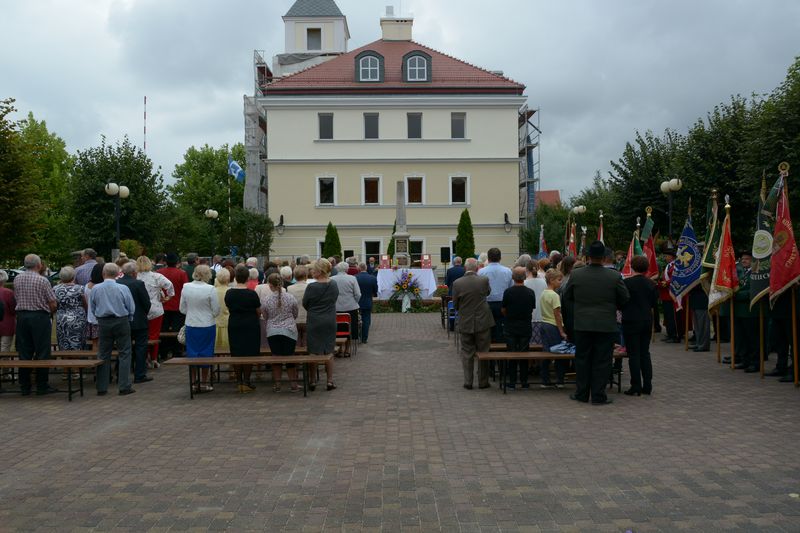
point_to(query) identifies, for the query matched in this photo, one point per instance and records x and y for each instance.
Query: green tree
(54, 237)
(252, 233)
(390, 250)
(332, 245)
(465, 239)
(141, 214)
(19, 178)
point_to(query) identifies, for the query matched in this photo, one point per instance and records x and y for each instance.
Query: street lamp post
(212, 215)
(118, 192)
(668, 187)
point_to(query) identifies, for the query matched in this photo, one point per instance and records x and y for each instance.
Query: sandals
(276, 388)
(331, 385)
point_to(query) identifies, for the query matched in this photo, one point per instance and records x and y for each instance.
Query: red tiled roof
(448, 75)
(548, 198)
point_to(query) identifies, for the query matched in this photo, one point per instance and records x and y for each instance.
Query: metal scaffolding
(529, 164)
(255, 139)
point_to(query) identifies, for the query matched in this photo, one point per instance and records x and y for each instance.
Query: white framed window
(326, 190)
(417, 68)
(459, 189)
(415, 189)
(369, 69)
(371, 248)
(371, 190)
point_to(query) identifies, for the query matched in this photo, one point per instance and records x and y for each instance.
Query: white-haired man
(36, 302)
(475, 322)
(112, 304)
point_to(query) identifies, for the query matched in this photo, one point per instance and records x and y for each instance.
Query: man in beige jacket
(475, 322)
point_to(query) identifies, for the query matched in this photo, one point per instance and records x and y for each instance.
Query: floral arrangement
(441, 291)
(405, 289)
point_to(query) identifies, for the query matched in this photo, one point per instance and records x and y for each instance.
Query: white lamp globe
(112, 189)
(665, 187)
(675, 184)
(124, 192)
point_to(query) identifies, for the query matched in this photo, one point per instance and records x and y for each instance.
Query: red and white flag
(785, 263)
(627, 270)
(650, 251)
(572, 251)
(725, 281)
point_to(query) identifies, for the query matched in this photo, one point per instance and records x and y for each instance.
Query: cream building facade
(339, 136)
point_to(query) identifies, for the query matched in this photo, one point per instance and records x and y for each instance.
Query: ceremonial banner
(627, 271)
(725, 281)
(542, 244)
(688, 263)
(647, 230)
(762, 242)
(571, 249)
(711, 242)
(650, 253)
(785, 263)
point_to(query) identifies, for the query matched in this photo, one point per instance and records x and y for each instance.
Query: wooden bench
(502, 347)
(505, 357)
(79, 364)
(305, 360)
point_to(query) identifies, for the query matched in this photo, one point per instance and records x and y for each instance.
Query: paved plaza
(401, 446)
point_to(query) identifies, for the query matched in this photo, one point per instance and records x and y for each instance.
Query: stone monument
(401, 236)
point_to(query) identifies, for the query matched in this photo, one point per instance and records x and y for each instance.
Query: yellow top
(549, 302)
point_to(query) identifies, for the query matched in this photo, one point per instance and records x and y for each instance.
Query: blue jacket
(453, 273)
(368, 284)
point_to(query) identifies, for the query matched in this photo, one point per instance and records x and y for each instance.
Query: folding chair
(344, 329)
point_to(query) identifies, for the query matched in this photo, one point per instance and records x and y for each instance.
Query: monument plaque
(401, 235)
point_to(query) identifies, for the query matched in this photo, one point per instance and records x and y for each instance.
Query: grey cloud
(598, 70)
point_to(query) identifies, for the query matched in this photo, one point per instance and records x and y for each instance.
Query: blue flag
(688, 264)
(235, 170)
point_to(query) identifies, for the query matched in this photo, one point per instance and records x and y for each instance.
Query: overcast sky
(599, 70)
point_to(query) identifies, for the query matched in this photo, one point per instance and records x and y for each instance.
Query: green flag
(762, 242)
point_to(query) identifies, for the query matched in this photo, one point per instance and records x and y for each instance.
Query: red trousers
(153, 333)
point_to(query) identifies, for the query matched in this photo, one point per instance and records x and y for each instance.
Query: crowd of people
(588, 306)
(206, 307)
(551, 301)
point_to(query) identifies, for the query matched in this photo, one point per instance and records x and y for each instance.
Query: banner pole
(761, 336)
(686, 326)
(716, 333)
(794, 334)
(733, 335)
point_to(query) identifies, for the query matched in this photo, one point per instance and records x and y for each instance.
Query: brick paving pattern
(401, 446)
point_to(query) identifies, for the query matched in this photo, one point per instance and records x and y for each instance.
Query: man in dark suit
(475, 322)
(368, 284)
(597, 293)
(453, 273)
(139, 324)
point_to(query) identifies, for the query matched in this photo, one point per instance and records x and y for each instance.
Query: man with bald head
(36, 302)
(475, 322)
(518, 304)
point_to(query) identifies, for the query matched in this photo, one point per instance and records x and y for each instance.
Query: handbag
(182, 335)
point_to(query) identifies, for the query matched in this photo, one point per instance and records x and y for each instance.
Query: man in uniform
(745, 321)
(598, 293)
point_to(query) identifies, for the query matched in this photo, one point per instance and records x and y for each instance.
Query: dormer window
(416, 67)
(369, 67)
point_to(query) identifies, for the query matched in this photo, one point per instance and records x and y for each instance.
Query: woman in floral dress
(71, 311)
